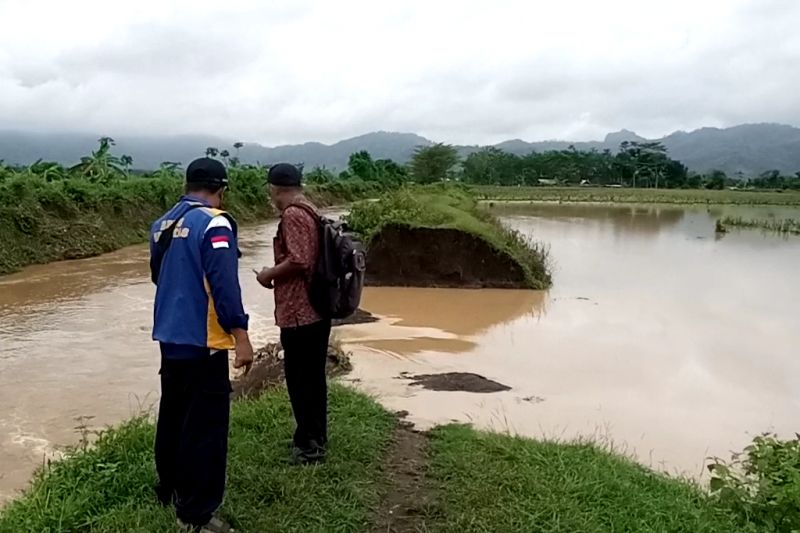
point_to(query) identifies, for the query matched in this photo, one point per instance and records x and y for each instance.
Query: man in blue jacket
(199, 316)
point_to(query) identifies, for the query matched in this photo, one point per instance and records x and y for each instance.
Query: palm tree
(225, 155)
(238, 145)
(212, 152)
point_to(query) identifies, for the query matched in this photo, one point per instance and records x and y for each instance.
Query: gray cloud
(471, 72)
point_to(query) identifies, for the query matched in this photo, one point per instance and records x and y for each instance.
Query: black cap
(285, 175)
(207, 171)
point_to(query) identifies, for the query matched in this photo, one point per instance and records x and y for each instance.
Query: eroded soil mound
(439, 257)
(456, 381)
(267, 370)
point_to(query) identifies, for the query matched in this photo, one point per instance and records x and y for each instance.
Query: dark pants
(192, 435)
(305, 353)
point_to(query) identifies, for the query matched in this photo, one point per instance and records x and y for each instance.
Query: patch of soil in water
(359, 317)
(445, 258)
(406, 495)
(456, 381)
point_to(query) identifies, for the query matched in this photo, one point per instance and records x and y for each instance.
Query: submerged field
(781, 226)
(633, 196)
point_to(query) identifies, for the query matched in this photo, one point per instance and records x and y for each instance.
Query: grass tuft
(784, 226)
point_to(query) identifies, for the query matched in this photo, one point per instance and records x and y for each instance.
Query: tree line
(635, 164)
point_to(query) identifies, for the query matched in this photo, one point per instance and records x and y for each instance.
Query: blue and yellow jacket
(198, 297)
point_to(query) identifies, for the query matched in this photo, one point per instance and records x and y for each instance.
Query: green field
(634, 196)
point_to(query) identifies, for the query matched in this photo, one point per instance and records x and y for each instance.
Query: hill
(746, 150)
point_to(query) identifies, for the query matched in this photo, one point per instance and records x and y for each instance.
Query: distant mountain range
(747, 149)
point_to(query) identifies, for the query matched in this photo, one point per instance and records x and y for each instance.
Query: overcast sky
(458, 71)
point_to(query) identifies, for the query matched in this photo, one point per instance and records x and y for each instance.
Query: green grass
(490, 482)
(643, 196)
(476, 482)
(450, 207)
(107, 488)
(788, 225)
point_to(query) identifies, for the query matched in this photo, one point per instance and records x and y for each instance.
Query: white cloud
(468, 71)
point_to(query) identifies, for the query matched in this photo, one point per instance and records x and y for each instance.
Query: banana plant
(101, 166)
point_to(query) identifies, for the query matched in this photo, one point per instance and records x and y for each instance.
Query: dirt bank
(439, 257)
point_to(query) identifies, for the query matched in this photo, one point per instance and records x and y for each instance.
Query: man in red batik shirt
(304, 333)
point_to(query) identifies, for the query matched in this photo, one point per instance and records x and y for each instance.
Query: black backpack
(338, 276)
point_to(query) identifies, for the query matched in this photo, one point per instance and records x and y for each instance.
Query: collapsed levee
(401, 255)
(438, 237)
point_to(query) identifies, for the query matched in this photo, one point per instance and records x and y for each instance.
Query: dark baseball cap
(207, 171)
(285, 175)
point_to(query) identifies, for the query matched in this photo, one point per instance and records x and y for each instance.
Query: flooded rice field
(659, 338)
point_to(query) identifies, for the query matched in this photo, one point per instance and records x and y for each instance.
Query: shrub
(762, 484)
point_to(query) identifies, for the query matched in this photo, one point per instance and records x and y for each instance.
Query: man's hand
(244, 350)
(265, 278)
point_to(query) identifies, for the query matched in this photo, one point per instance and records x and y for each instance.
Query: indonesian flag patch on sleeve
(220, 242)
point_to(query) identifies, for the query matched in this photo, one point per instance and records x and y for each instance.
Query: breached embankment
(438, 237)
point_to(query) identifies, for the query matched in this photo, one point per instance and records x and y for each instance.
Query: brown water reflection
(442, 320)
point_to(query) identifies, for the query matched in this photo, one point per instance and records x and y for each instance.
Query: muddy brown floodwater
(657, 336)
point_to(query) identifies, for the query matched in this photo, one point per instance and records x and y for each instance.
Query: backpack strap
(307, 208)
(164, 240)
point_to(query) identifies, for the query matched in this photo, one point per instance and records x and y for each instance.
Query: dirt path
(406, 494)
(407, 498)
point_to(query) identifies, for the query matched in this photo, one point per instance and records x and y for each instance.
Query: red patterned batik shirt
(297, 241)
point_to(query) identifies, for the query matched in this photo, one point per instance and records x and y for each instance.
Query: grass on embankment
(634, 196)
(108, 488)
(42, 221)
(476, 482)
(444, 207)
(490, 482)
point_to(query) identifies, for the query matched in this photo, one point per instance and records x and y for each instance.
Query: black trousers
(192, 435)
(305, 353)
